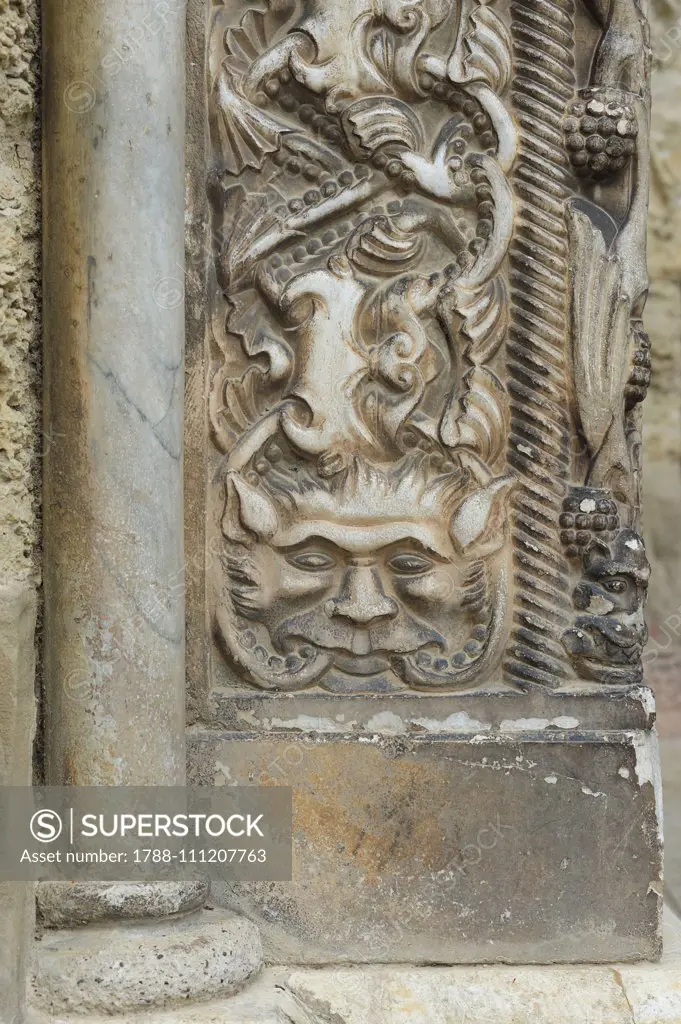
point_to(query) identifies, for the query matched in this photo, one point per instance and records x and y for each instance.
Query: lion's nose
(362, 599)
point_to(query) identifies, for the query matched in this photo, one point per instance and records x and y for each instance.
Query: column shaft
(114, 323)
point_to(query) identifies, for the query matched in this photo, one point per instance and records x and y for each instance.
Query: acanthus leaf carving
(601, 354)
(485, 51)
(248, 135)
(478, 420)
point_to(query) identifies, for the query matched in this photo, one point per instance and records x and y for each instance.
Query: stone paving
(604, 994)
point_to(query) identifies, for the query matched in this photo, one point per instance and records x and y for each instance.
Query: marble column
(114, 330)
(114, 397)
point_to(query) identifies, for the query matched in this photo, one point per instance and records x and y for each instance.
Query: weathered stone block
(429, 830)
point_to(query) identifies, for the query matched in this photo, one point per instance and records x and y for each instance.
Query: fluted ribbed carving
(539, 450)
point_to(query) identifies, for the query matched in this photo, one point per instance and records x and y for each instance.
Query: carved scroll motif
(404, 362)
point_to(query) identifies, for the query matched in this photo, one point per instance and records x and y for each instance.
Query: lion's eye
(409, 565)
(616, 586)
(312, 561)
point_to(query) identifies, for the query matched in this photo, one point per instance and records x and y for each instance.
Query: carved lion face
(376, 573)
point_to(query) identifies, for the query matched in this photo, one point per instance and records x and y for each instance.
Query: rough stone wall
(19, 282)
(662, 435)
(20, 445)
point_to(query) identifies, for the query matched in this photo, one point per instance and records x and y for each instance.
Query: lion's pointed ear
(478, 527)
(248, 512)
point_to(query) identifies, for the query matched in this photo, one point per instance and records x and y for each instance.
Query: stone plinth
(428, 830)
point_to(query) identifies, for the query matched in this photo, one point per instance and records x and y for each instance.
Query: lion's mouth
(361, 659)
(360, 665)
(404, 635)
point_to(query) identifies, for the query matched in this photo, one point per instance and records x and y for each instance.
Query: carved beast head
(607, 640)
(374, 570)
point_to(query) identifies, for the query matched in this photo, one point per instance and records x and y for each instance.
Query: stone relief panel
(426, 353)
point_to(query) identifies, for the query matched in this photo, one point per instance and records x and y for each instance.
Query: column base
(70, 905)
(133, 966)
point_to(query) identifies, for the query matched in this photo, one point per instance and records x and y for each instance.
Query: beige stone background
(19, 443)
(662, 432)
